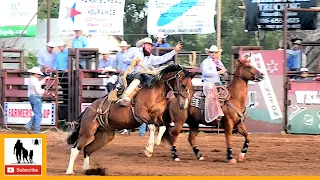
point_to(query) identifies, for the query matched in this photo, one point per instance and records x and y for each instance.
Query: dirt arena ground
(268, 155)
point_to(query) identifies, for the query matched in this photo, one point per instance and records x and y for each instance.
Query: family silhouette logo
(23, 156)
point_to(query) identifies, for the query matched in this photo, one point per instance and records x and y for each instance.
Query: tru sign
(307, 97)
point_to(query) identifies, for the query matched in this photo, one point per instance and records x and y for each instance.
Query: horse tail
(74, 135)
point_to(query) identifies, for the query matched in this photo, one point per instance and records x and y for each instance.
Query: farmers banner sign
(181, 17)
(101, 17)
(21, 113)
(15, 15)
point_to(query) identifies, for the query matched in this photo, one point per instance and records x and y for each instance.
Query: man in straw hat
(211, 68)
(34, 93)
(47, 58)
(106, 60)
(62, 64)
(147, 60)
(160, 41)
(80, 41)
(122, 56)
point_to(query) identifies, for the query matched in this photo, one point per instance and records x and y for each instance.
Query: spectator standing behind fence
(304, 76)
(80, 41)
(62, 65)
(161, 41)
(34, 93)
(47, 58)
(296, 56)
(106, 61)
(122, 55)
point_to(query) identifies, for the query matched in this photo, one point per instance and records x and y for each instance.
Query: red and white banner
(21, 113)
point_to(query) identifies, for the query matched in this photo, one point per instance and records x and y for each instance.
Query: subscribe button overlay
(23, 156)
(23, 170)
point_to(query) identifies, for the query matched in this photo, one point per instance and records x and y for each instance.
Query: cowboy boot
(129, 93)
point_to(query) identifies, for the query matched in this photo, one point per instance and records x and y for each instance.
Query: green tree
(42, 13)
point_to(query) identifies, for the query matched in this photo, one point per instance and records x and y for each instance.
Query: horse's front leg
(194, 129)
(173, 138)
(149, 148)
(228, 133)
(243, 131)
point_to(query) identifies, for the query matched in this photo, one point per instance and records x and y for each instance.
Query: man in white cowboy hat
(211, 79)
(47, 58)
(147, 60)
(80, 41)
(34, 93)
(161, 41)
(61, 57)
(106, 61)
(62, 64)
(122, 56)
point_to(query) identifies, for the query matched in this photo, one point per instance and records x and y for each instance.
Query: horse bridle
(176, 77)
(255, 77)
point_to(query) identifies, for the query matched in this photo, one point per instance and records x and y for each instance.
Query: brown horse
(234, 114)
(102, 117)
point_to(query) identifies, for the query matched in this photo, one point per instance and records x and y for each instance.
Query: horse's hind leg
(194, 129)
(101, 137)
(87, 131)
(162, 129)
(243, 131)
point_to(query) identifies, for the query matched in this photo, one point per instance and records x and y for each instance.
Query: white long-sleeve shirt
(34, 86)
(147, 61)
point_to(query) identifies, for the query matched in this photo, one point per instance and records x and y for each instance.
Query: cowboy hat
(124, 44)
(61, 43)
(213, 48)
(146, 40)
(51, 44)
(161, 35)
(77, 28)
(104, 51)
(296, 41)
(303, 69)
(35, 70)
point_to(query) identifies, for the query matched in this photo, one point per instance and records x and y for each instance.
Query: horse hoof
(158, 143)
(241, 157)
(176, 159)
(233, 161)
(147, 153)
(201, 158)
(69, 172)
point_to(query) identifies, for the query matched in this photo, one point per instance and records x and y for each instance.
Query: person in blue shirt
(106, 60)
(47, 58)
(161, 41)
(61, 57)
(80, 41)
(62, 65)
(296, 57)
(122, 56)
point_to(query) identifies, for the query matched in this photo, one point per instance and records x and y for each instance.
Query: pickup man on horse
(142, 52)
(211, 79)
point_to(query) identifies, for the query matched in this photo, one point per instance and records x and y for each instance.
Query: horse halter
(176, 77)
(253, 74)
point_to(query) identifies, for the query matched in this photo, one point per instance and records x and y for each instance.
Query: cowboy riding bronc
(142, 53)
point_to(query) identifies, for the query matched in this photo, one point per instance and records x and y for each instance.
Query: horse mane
(172, 68)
